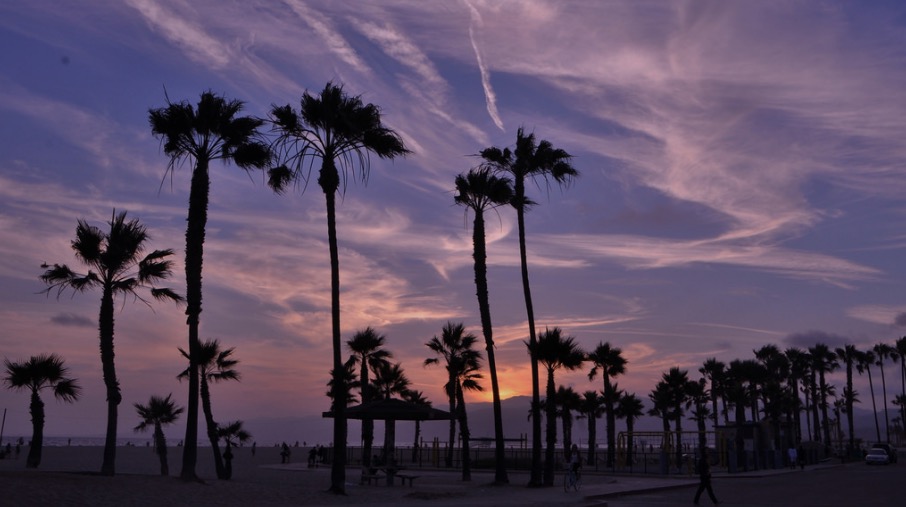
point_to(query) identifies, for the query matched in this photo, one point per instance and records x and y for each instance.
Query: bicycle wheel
(577, 482)
(566, 481)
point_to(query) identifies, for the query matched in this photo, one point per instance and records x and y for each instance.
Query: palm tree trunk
(535, 475)
(451, 383)
(629, 447)
(160, 447)
(874, 406)
(464, 433)
(195, 235)
(884, 392)
(329, 181)
(36, 447)
(108, 466)
(592, 438)
(551, 422)
(825, 420)
(611, 421)
(481, 283)
(849, 407)
(211, 426)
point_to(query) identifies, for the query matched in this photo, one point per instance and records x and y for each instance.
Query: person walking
(704, 479)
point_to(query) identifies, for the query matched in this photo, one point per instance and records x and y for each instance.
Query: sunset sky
(743, 167)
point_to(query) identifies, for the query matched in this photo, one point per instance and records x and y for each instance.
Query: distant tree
(713, 371)
(115, 266)
(611, 363)
(629, 407)
(823, 362)
(390, 380)
(416, 398)
(44, 371)
(850, 356)
(592, 408)
(462, 363)
(214, 365)
(798, 372)
(232, 434)
(901, 354)
(866, 359)
(479, 190)
(568, 401)
(555, 351)
(212, 130)
(368, 352)
(158, 413)
(341, 131)
(883, 352)
(530, 161)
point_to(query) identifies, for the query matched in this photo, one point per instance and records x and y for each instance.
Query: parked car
(877, 456)
(889, 449)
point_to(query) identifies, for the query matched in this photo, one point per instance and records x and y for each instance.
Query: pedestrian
(793, 457)
(284, 453)
(800, 455)
(704, 479)
(254, 448)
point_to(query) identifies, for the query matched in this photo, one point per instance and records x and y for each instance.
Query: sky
(742, 167)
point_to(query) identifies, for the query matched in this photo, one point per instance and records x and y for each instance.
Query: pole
(2, 427)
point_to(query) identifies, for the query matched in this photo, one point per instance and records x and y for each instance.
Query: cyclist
(575, 460)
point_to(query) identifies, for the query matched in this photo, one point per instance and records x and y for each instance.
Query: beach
(68, 477)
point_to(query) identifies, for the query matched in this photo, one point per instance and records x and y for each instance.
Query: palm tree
(479, 190)
(568, 401)
(823, 362)
(540, 161)
(773, 394)
(341, 131)
(210, 131)
(390, 380)
(900, 347)
(416, 398)
(883, 352)
(713, 371)
(866, 359)
(798, 368)
(592, 408)
(630, 408)
(662, 406)
(214, 365)
(555, 351)
(850, 356)
(44, 371)
(231, 433)
(677, 382)
(611, 362)
(348, 381)
(368, 352)
(116, 266)
(462, 364)
(158, 413)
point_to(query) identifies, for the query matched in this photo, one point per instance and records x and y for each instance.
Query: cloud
(189, 36)
(490, 96)
(72, 319)
(328, 34)
(811, 338)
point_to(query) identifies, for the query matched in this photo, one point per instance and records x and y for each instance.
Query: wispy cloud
(329, 34)
(490, 96)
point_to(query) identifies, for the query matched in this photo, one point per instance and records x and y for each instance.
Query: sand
(67, 477)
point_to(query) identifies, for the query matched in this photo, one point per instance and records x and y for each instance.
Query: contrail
(490, 97)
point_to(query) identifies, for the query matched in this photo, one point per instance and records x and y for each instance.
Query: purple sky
(742, 172)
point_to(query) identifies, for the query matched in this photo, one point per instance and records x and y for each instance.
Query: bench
(407, 477)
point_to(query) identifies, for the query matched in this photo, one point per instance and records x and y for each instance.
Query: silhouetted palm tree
(530, 161)
(479, 190)
(568, 401)
(214, 365)
(555, 351)
(389, 380)
(773, 393)
(158, 413)
(367, 352)
(463, 364)
(610, 361)
(340, 131)
(117, 268)
(232, 434)
(850, 356)
(866, 358)
(629, 407)
(900, 347)
(713, 370)
(798, 368)
(210, 131)
(44, 371)
(592, 408)
(417, 398)
(883, 352)
(823, 362)
(677, 382)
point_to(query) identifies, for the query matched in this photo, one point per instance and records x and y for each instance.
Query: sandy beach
(67, 477)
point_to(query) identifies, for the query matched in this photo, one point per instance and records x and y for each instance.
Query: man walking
(704, 479)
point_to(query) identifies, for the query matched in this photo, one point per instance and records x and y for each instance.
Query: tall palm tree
(592, 408)
(629, 407)
(677, 382)
(214, 365)
(773, 394)
(850, 356)
(866, 359)
(367, 352)
(555, 351)
(211, 130)
(390, 380)
(883, 352)
(530, 161)
(900, 347)
(158, 413)
(824, 362)
(479, 190)
(661, 398)
(568, 401)
(341, 131)
(798, 368)
(44, 371)
(115, 266)
(232, 434)
(713, 371)
(463, 364)
(610, 361)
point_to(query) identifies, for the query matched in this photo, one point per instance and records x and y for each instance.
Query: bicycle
(572, 479)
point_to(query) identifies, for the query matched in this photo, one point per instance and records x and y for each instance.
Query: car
(889, 449)
(877, 456)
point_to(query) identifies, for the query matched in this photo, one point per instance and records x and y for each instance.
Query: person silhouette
(704, 479)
